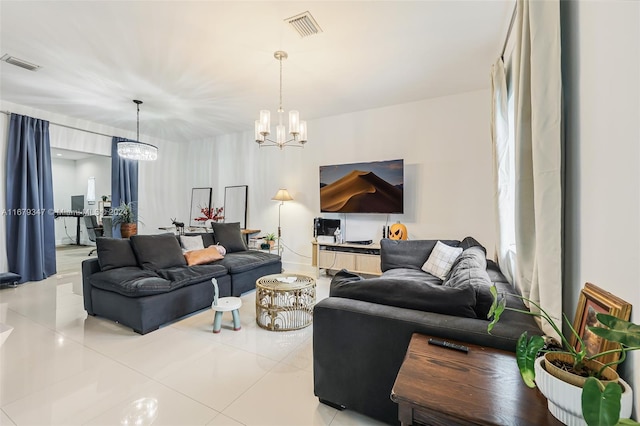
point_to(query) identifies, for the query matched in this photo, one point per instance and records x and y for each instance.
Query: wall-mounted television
(373, 187)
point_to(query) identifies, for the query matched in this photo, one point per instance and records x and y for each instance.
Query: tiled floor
(60, 366)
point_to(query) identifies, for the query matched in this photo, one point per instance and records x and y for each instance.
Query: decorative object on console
(136, 150)
(200, 205)
(398, 231)
(235, 204)
(179, 226)
(282, 195)
(297, 128)
(594, 300)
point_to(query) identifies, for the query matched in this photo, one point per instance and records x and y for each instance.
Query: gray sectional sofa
(362, 330)
(145, 282)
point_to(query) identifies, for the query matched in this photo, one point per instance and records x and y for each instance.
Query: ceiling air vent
(304, 24)
(19, 63)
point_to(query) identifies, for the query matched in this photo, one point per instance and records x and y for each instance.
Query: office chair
(107, 226)
(93, 230)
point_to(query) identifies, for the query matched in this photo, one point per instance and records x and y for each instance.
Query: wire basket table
(285, 302)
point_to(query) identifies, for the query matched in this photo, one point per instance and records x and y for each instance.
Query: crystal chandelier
(136, 150)
(297, 128)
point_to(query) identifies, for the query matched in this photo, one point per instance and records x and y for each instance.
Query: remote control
(449, 345)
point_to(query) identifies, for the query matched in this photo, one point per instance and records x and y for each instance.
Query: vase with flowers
(210, 214)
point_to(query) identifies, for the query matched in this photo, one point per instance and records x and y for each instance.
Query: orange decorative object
(398, 231)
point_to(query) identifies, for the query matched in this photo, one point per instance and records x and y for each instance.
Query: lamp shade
(282, 195)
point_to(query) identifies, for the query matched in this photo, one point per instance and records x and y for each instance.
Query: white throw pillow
(191, 242)
(441, 260)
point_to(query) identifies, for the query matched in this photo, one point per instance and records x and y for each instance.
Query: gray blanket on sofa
(465, 292)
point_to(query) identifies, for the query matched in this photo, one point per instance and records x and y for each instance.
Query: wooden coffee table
(440, 386)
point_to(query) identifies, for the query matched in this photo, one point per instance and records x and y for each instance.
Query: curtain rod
(69, 127)
(506, 39)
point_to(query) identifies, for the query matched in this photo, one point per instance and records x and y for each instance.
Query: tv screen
(374, 187)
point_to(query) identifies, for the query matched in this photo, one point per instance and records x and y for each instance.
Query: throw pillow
(157, 251)
(229, 236)
(194, 242)
(221, 249)
(115, 253)
(202, 256)
(441, 259)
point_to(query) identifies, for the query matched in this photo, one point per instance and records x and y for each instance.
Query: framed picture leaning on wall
(594, 300)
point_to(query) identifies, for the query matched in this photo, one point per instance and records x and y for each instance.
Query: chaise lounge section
(362, 330)
(147, 281)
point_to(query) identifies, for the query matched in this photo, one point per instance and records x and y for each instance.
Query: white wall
(601, 66)
(448, 175)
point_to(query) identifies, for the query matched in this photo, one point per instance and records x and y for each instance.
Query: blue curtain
(31, 241)
(124, 182)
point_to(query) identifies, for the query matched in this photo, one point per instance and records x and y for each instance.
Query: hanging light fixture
(297, 128)
(136, 150)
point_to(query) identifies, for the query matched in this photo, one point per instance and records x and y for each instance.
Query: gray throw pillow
(157, 251)
(115, 253)
(229, 236)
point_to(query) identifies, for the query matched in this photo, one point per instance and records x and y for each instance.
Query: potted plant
(125, 217)
(270, 239)
(600, 403)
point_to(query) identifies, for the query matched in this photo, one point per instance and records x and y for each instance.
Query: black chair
(93, 230)
(107, 226)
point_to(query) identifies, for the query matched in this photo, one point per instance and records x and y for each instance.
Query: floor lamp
(282, 195)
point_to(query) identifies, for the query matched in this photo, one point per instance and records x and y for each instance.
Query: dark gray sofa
(362, 330)
(145, 282)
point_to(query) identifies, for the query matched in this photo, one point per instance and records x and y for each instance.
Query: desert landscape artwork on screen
(372, 187)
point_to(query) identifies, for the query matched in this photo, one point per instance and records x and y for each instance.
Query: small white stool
(224, 304)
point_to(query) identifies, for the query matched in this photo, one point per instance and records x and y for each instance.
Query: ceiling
(206, 68)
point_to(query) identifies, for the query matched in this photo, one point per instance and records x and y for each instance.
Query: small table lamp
(282, 195)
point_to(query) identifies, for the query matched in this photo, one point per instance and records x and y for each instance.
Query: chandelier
(136, 150)
(297, 128)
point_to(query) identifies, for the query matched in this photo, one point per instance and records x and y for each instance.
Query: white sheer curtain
(503, 172)
(538, 146)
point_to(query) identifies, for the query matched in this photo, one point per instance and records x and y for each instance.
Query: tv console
(358, 258)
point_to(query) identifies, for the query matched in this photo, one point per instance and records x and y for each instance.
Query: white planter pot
(565, 400)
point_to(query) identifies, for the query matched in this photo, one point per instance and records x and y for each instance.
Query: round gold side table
(285, 302)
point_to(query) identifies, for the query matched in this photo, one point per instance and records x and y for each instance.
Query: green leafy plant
(124, 213)
(270, 237)
(600, 403)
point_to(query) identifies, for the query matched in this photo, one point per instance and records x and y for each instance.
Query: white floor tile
(283, 397)
(156, 404)
(77, 399)
(219, 376)
(61, 366)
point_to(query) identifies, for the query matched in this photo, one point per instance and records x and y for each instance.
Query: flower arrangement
(213, 213)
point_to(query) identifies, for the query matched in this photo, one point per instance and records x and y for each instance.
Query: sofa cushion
(245, 260)
(131, 282)
(409, 254)
(181, 276)
(471, 269)
(191, 242)
(157, 251)
(201, 257)
(229, 236)
(115, 253)
(407, 293)
(441, 259)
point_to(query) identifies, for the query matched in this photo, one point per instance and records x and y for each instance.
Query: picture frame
(200, 198)
(595, 300)
(235, 204)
